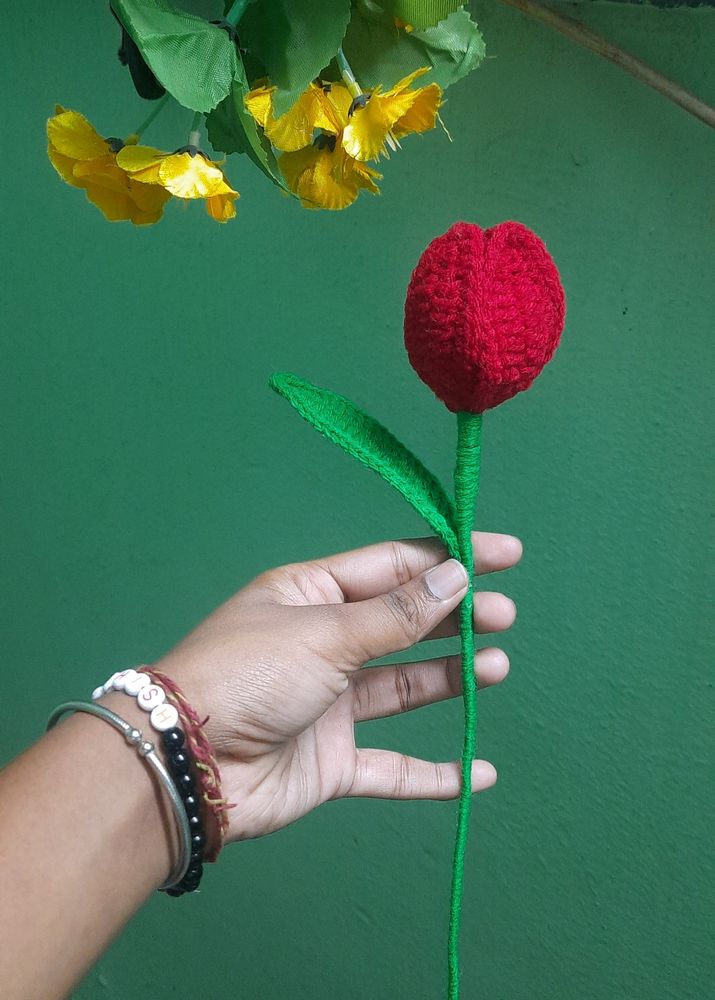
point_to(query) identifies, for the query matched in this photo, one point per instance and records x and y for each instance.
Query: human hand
(277, 669)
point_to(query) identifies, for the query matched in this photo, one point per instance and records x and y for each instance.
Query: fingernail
(447, 580)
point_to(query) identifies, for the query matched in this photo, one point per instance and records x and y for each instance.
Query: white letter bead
(109, 683)
(151, 697)
(137, 684)
(121, 679)
(164, 717)
(98, 693)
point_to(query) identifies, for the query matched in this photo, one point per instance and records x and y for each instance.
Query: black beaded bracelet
(181, 767)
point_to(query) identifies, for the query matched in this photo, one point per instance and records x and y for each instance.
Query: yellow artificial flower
(323, 175)
(329, 171)
(395, 113)
(85, 160)
(186, 174)
(316, 167)
(294, 129)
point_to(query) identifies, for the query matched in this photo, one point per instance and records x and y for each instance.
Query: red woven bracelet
(206, 763)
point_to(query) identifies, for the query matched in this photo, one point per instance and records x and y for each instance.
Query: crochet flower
(186, 174)
(84, 159)
(483, 315)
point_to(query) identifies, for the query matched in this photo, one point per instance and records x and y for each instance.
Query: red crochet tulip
(484, 313)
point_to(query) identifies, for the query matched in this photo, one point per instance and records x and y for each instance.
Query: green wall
(147, 472)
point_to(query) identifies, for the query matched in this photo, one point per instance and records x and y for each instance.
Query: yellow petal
(295, 128)
(102, 172)
(114, 205)
(187, 176)
(221, 206)
(325, 179)
(142, 162)
(422, 115)
(338, 106)
(146, 218)
(398, 111)
(259, 103)
(407, 81)
(64, 165)
(72, 135)
(364, 137)
(149, 198)
(364, 176)
(293, 165)
(120, 206)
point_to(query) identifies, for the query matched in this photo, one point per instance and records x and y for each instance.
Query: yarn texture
(361, 436)
(483, 314)
(466, 489)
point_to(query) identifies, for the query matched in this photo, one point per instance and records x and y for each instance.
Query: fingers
(398, 619)
(382, 691)
(377, 569)
(492, 613)
(383, 774)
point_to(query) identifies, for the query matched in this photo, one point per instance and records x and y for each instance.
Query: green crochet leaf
(194, 60)
(379, 52)
(372, 444)
(232, 129)
(295, 40)
(421, 13)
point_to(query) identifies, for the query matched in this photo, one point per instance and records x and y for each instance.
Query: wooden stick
(579, 33)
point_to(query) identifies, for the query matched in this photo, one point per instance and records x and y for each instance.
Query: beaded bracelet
(204, 758)
(185, 866)
(150, 697)
(181, 765)
(164, 718)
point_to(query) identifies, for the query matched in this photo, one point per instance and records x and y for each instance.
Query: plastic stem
(235, 12)
(466, 488)
(154, 113)
(194, 133)
(347, 74)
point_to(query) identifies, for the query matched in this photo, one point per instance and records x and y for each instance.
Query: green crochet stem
(466, 487)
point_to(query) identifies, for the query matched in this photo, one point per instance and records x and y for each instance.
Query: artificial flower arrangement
(312, 91)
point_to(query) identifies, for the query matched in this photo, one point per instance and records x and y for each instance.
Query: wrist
(150, 825)
(160, 709)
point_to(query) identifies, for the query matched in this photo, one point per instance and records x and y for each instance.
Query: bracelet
(204, 757)
(160, 695)
(150, 697)
(182, 759)
(146, 751)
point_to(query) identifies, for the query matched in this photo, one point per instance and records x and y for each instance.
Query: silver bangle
(147, 752)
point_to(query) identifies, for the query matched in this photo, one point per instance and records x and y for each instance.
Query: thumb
(397, 620)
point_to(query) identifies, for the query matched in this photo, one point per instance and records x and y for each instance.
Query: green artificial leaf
(194, 60)
(232, 129)
(372, 444)
(421, 13)
(294, 40)
(378, 52)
